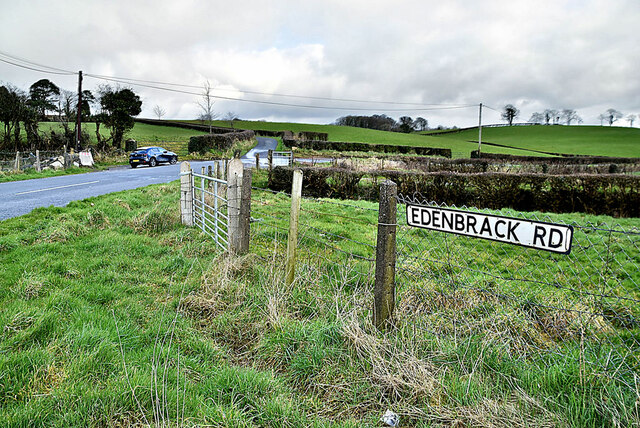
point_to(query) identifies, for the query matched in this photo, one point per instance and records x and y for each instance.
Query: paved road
(262, 148)
(20, 197)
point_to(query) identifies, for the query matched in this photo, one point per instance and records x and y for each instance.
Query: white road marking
(58, 187)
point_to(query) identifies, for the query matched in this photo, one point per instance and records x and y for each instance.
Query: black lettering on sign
(485, 227)
(539, 233)
(512, 231)
(555, 235)
(447, 220)
(426, 217)
(459, 222)
(415, 215)
(436, 218)
(556, 238)
(471, 224)
(498, 223)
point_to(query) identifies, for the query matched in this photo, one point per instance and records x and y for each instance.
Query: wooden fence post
(292, 242)
(238, 206)
(385, 288)
(257, 161)
(270, 160)
(186, 194)
(38, 166)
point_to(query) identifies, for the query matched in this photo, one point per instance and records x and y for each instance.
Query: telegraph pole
(79, 108)
(480, 130)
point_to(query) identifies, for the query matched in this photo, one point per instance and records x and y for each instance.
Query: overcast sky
(579, 54)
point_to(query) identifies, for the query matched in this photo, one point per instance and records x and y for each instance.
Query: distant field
(351, 134)
(526, 140)
(581, 140)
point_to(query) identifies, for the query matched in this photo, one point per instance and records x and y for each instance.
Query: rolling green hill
(580, 140)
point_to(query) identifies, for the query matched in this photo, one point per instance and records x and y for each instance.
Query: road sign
(556, 238)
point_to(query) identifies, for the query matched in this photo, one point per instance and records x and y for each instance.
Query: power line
(274, 102)
(30, 65)
(55, 70)
(35, 69)
(272, 93)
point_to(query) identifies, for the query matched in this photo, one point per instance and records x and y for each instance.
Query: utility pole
(480, 130)
(79, 108)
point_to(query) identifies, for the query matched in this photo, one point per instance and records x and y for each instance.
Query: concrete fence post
(38, 165)
(238, 206)
(16, 164)
(385, 288)
(292, 242)
(186, 194)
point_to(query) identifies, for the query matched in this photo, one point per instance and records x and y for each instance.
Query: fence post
(239, 206)
(38, 166)
(385, 289)
(257, 161)
(292, 242)
(186, 194)
(270, 160)
(16, 165)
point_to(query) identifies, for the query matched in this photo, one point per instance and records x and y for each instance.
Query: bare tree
(206, 104)
(536, 118)
(631, 118)
(602, 118)
(612, 115)
(510, 112)
(158, 111)
(569, 115)
(230, 117)
(550, 116)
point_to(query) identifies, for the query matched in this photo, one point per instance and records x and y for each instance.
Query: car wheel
(133, 165)
(153, 162)
(173, 160)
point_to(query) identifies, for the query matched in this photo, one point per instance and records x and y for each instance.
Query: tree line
(382, 122)
(563, 116)
(111, 107)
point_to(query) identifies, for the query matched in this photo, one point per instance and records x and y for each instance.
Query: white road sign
(556, 238)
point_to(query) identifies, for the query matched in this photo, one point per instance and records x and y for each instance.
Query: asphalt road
(21, 197)
(262, 148)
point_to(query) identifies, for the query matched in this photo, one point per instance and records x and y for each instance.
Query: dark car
(151, 156)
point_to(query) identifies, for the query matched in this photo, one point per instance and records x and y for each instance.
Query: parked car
(151, 156)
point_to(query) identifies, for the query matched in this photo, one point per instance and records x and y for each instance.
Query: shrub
(202, 143)
(614, 194)
(366, 147)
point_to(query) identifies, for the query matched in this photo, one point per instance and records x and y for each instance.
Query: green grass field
(114, 314)
(580, 140)
(525, 140)
(362, 135)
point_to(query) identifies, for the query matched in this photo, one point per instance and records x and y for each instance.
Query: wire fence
(583, 306)
(532, 305)
(21, 161)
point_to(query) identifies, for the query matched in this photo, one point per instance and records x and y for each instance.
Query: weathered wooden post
(16, 164)
(257, 161)
(270, 160)
(38, 165)
(292, 242)
(186, 194)
(385, 289)
(239, 206)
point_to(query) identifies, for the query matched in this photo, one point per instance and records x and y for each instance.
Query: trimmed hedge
(576, 160)
(615, 195)
(366, 147)
(186, 125)
(202, 143)
(542, 166)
